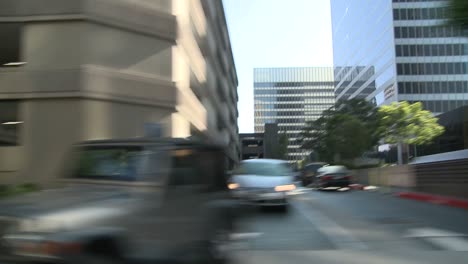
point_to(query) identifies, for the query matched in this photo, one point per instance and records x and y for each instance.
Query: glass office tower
(290, 97)
(414, 55)
(431, 58)
(363, 49)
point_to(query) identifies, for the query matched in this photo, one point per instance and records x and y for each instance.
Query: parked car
(122, 201)
(309, 172)
(263, 182)
(333, 176)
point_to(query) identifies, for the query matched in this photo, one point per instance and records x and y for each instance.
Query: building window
(426, 32)
(10, 34)
(438, 106)
(10, 123)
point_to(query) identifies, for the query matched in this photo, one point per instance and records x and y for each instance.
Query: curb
(435, 199)
(356, 187)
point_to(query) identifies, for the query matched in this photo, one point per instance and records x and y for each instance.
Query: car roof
(333, 168)
(185, 142)
(315, 163)
(275, 161)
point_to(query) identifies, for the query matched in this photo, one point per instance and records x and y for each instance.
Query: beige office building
(74, 70)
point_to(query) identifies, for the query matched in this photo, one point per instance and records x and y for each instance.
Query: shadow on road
(273, 209)
(335, 189)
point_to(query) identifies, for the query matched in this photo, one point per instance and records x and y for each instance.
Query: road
(353, 227)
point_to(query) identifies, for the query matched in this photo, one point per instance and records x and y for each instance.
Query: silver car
(264, 182)
(125, 201)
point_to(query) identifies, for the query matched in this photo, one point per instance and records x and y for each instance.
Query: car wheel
(103, 251)
(103, 260)
(283, 208)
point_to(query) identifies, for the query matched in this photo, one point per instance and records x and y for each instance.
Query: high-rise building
(102, 69)
(260, 145)
(405, 47)
(289, 97)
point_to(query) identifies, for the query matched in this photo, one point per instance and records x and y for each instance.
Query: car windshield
(263, 169)
(113, 163)
(313, 168)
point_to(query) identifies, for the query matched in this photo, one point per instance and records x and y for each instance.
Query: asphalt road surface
(353, 227)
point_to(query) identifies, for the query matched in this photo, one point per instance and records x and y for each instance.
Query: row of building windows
(274, 113)
(291, 84)
(295, 110)
(431, 50)
(369, 89)
(291, 91)
(280, 99)
(410, 1)
(350, 74)
(294, 97)
(291, 98)
(291, 120)
(290, 113)
(432, 68)
(420, 13)
(432, 87)
(284, 116)
(442, 105)
(314, 111)
(427, 32)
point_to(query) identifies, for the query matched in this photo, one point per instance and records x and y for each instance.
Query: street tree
(458, 14)
(364, 111)
(404, 123)
(343, 132)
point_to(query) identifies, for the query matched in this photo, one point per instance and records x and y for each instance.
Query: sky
(275, 33)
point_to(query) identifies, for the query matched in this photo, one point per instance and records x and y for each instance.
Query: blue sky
(275, 33)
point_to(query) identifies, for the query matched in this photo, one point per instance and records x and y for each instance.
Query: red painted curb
(435, 199)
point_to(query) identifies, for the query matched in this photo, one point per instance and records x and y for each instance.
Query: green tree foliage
(343, 132)
(365, 112)
(458, 13)
(406, 123)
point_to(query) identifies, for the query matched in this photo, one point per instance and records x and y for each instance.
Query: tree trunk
(399, 153)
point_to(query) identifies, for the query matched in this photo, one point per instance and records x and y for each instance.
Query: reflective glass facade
(289, 97)
(414, 55)
(363, 49)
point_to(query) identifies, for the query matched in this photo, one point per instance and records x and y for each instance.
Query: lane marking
(300, 190)
(449, 243)
(242, 236)
(338, 236)
(431, 232)
(444, 239)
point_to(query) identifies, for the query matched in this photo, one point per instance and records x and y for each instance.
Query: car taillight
(348, 177)
(326, 178)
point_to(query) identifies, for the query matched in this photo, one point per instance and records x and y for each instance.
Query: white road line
(449, 243)
(300, 190)
(441, 238)
(241, 236)
(431, 232)
(339, 236)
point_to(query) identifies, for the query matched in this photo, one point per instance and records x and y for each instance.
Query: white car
(264, 182)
